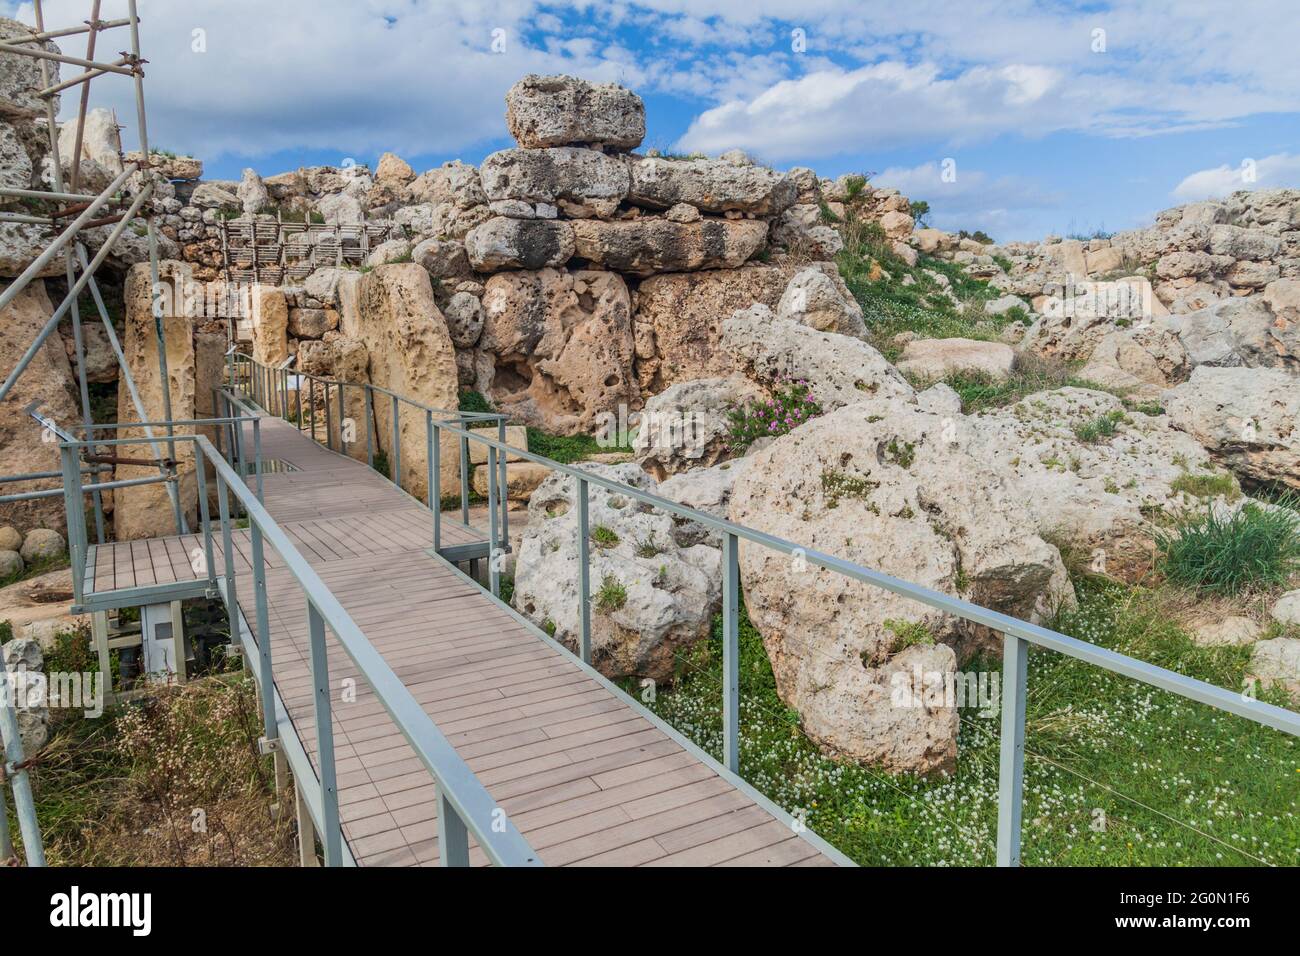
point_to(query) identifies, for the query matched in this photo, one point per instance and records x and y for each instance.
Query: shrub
(792, 405)
(1254, 548)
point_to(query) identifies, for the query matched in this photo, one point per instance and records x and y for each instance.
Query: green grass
(1096, 744)
(1103, 426)
(1254, 549)
(603, 536)
(612, 594)
(1208, 485)
(979, 390)
(565, 449)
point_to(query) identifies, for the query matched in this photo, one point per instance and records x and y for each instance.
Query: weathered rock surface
(42, 544)
(564, 110)
(821, 301)
(1239, 332)
(679, 320)
(839, 370)
(1143, 359)
(410, 353)
(687, 425)
(710, 185)
(646, 246)
(581, 182)
(503, 243)
(49, 381)
(270, 326)
(646, 606)
(145, 511)
(1245, 417)
(929, 359)
(1277, 663)
(891, 494)
(562, 344)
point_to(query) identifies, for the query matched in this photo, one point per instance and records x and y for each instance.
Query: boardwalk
(586, 775)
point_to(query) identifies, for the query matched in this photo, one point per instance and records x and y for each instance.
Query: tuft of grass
(1208, 485)
(612, 594)
(979, 390)
(565, 449)
(1103, 426)
(907, 634)
(604, 536)
(648, 548)
(1254, 549)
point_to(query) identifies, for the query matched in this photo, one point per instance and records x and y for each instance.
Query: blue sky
(1061, 117)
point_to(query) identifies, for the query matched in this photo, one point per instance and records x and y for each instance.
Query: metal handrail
(464, 805)
(1017, 634)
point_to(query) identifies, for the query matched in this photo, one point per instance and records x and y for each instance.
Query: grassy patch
(605, 537)
(1208, 485)
(1117, 773)
(1254, 549)
(979, 390)
(1095, 429)
(612, 594)
(563, 448)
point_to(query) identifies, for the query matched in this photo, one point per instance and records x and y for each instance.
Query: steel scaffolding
(114, 206)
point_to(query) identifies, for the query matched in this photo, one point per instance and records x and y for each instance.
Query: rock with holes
(646, 246)
(580, 182)
(839, 370)
(710, 185)
(879, 484)
(562, 346)
(653, 592)
(565, 110)
(25, 661)
(820, 300)
(504, 243)
(1246, 417)
(687, 425)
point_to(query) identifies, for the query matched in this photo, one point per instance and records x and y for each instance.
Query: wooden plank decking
(587, 777)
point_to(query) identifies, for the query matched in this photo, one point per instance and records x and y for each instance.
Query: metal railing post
(266, 678)
(494, 551)
(464, 474)
(24, 803)
(453, 837)
(74, 507)
(435, 476)
(395, 460)
(228, 558)
(504, 483)
(311, 404)
(584, 574)
(369, 425)
(428, 459)
(730, 653)
(1011, 770)
(257, 455)
(329, 418)
(343, 444)
(329, 793)
(205, 519)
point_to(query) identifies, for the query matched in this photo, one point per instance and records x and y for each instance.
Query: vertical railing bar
(436, 495)
(730, 654)
(205, 519)
(584, 574)
(1011, 767)
(504, 484)
(428, 459)
(494, 553)
(396, 458)
(329, 794)
(343, 447)
(228, 558)
(311, 404)
(464, 474)
(257, 456)
(370, 426)
(265, 675)
(329, 418)
(453, 836)
(72, 505)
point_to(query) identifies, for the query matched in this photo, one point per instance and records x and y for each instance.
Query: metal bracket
(267, 746)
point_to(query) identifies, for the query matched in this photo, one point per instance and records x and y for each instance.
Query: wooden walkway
(586, 775)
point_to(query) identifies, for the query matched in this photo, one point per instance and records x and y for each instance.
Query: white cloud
(1003, 206)
(1279, 169)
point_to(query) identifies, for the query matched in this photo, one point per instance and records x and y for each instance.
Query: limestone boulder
(454, 183)
(442, 258)
(889, 493)
(409, 352)
(817, 300)
(43, 544)
(47, 381)
(11, 539)
(101, 142)
(652, 596)
(580, 182)
(710, 185)
(1283, 299)
(838, 369)
(504, 243)
(1276, 663)
(393, 169)
(1245, 417)
(687, 425)
(646, 246)
(11, 564)
(1240, 331)
(931, 359)
(23, 655)
(343, 359)
(270, 326)
(1083, 486)
(704, 489)
(1142, 359)
(546, 111)
(252, 193)
(562, 345)
(802, 230)
(679, 317)
(145, 511)
(464, 315)
(1241, 242)
(21, 77)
